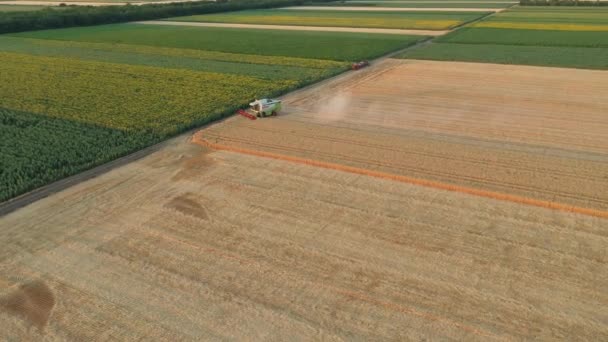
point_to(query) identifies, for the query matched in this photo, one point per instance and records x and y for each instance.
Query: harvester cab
(261, 108)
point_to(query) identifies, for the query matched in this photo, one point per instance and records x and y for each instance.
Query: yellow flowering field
(428, 20)
(175, 52)
(389, 23)
(125, 97)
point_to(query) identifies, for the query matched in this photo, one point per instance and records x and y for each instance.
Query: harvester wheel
(274, 113)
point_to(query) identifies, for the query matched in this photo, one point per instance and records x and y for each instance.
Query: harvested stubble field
(191, 244)
(515, 130)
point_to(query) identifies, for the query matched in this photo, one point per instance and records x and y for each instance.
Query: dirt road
(393, 9)
(298, 28)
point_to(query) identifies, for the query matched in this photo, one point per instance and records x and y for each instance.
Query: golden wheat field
(192, 243)
(516, 130)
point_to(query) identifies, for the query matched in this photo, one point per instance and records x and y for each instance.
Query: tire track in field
(410, 180)
(473, 160)
(438, 174)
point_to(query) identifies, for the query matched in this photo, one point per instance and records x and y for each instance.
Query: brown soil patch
(193, 165)
(32, 301)
(187, 204)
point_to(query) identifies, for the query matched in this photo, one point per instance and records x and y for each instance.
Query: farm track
(299, 28)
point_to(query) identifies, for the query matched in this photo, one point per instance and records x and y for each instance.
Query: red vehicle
(359, 65)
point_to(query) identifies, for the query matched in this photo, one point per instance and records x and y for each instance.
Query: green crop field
(476, 35)
(584, 15)
(575, 57)
(37, 149)
(340, 46)
(249, 65)
(75, 98)
(376, 19)
(548, 36)
(423, 4)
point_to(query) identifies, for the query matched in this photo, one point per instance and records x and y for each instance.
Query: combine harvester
(261, 108)
(271, 107)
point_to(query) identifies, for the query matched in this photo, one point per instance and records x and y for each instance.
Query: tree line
(89, 15)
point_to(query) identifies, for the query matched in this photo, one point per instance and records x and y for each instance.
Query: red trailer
(359, 65)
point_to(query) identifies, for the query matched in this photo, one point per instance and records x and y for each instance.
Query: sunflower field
(72, 99)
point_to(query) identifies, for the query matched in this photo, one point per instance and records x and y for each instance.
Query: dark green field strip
(497, 36)
(408, 1)
(322, 45)
(451, 4)
(36, 150)
(32, 47)
(571, 57)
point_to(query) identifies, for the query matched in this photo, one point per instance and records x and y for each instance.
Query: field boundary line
(198, 139)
